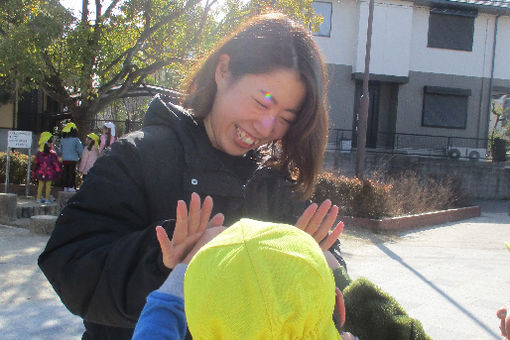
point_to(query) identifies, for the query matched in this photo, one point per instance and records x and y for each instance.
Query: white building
(435, 67)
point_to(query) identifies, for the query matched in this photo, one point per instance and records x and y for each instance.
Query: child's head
(70, 130)
(109, 129)
(92, 139)
(45, 139)
(264, 46)
(259, 280)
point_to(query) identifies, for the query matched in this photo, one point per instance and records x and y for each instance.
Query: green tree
(78, 60)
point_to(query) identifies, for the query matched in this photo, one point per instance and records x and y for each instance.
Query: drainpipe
(491, 81)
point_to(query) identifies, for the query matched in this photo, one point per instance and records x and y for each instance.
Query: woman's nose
(265, 125)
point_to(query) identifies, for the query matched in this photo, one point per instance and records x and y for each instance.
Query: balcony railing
(412, 144)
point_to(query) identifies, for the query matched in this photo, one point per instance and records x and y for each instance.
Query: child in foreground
(254, 280)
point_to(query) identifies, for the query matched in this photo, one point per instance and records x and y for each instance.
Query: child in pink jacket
(90, 154)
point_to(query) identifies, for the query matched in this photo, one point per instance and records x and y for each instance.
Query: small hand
(189, 227)
(504, 315)
(317, 221)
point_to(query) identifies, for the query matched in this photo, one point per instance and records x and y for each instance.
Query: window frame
(437, 12)
(447, 92)
(328, 35)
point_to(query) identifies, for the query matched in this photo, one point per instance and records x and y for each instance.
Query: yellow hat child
(45, 137)
(67, 128)
(95, 138)
(260, 280)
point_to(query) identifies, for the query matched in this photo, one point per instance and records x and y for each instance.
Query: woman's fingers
(194, 213)
(181, 222)
(326, 225)
(318, 217)
(165, 245)
(205, 213)
(332, 237)
(216, 221)
(306, 216)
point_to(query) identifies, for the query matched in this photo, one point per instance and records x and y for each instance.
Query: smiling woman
(251, 133)
(242, 118)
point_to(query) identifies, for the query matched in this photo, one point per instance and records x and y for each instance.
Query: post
(7, 168)
(29, 165)
(364, 101)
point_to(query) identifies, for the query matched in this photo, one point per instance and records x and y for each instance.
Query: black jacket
(103, 258)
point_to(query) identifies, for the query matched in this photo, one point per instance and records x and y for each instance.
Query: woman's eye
(286, 121)
(260, 104)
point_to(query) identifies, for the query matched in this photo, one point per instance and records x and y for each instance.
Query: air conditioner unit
(465, 152)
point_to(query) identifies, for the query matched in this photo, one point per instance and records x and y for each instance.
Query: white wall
(391, 38)
(502, 62)
(339, 48)
(474, 63)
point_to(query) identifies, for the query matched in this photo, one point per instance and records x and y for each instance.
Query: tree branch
(146, 34)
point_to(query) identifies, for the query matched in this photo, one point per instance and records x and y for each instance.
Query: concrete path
(451, 277)
(29, 307)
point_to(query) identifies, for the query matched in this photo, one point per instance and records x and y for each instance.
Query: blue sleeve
(162, 318)
(79, 147)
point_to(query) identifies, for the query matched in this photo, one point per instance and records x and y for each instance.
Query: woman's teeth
(244, 137)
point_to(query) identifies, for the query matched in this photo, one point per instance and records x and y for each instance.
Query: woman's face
(252, 110)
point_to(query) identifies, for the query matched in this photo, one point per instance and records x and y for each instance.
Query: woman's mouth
(245, 138)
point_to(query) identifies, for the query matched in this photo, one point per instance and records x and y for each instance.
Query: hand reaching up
(189, 227)
(318, 220)
(504, 315)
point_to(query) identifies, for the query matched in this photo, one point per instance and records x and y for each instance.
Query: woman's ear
(222, 74)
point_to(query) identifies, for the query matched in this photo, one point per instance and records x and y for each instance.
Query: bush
(414, 194)
(355, 197)
(404, 194)
(18, 167)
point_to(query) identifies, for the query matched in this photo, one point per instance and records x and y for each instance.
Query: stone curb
(413, 221)
(42, 224)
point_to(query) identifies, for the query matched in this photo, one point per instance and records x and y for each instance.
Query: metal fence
(412, 144)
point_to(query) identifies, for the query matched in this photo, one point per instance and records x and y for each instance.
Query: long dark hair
(47, 147)
(108, 136)
(263, 44)
(91, 144)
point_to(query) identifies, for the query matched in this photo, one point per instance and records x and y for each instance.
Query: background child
(108, 136)
(89, 154)
(46, 167)
(71, 149)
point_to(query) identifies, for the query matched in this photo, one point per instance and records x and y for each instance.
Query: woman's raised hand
(318, 220)
(189, 227)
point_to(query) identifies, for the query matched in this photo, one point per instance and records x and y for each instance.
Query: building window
(324, 9)
(451, 29)
(445, 107)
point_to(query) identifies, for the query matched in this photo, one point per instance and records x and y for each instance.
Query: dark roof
(487, 6)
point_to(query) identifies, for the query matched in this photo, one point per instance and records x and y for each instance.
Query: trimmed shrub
(355, 197)
(403, 194)
(18, 167)
(413, 193)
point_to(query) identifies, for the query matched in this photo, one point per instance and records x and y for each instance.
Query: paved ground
(452, 277)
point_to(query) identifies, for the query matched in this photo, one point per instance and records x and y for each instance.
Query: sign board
(19, 139)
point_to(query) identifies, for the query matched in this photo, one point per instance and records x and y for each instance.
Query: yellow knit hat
(260, 280)
(69, 126)
(95, 138)
(45, 136)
